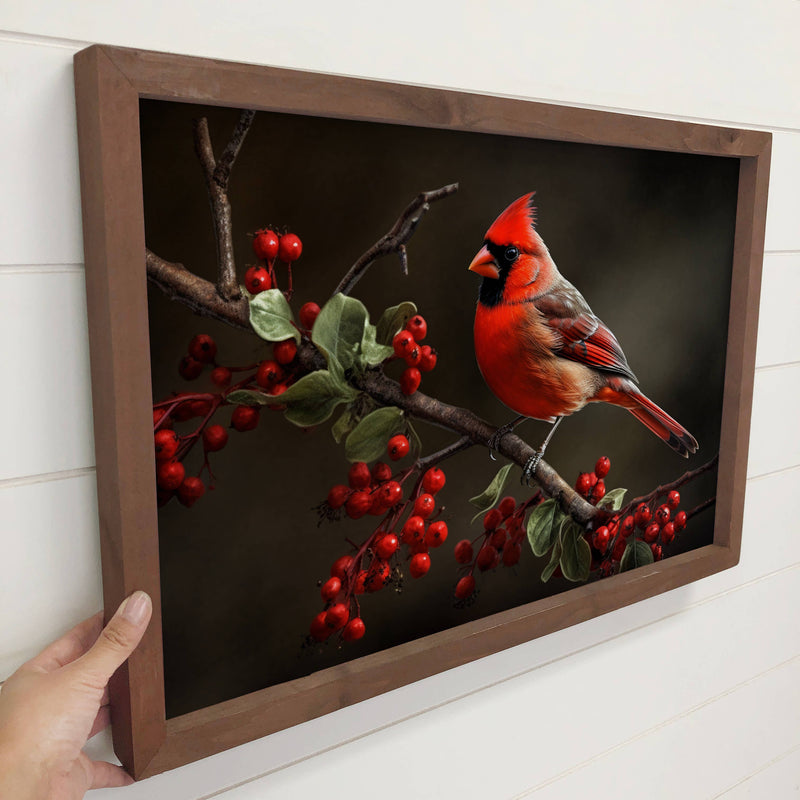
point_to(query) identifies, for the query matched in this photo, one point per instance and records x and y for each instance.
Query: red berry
(378, 507)
(419, 565)
(265, 244)
(619, 549)
(651, 532)
(428, 361)
(391, 493)
(189, 368)
(221, 376)
(387, 546)
(602, 466)
(657, 552)
(417, 327)
(319, 630)
(200, 408)
(584, 484)
(680, 520)
(308, 315)
(158, 415)
(378, 575)
(642, 516)
(269, 373)
(414, 356)
(436, 534)
(487, 557)
(628, 525)
(359, 583)
(337, 616)
(215, 437)
(331, 588)
(290, 247)
(170, 475)
(191, 490)
(358, 504)
(463, 551)
(398, 447)
(414, 530)
(340, 567)
(403, 343)
(358, 475)
(507, 507)
(433, 480)
(244, 418)
(424, 506)
(512, 553)
(166, 444)
(491, 519)
(257, 280)
(498, 539)
(337, 496)
(203, 348)
(674, 499)
(465, 587)
(284, 352)
(668, 532)
(381, 472)
(354, 630)
(410, 380)
(662, 515)
(601, 538)
(598, 491)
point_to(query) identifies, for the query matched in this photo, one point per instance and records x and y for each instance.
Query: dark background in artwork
(646, 236)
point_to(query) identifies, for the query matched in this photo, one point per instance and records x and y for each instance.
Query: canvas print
(404, 378)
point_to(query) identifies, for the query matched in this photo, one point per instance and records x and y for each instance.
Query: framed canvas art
(333, 324)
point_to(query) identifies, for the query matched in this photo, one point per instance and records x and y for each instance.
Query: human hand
(58, 700)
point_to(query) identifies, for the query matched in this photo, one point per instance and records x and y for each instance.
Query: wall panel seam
(38, 269)
(772, 762)
(45, 477)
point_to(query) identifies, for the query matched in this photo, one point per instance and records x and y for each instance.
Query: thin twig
(396, 239)
(701, 507)
(226, 161)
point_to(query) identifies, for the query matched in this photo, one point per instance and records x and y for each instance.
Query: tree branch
(396, 239)
(217, 176)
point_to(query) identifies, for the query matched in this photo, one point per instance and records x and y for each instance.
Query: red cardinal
(539, 347)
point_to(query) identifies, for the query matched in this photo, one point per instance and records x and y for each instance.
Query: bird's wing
(581, 336)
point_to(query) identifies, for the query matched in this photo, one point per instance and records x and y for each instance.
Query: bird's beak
(484, 264)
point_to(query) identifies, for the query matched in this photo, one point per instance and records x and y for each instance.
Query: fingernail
(136, 607)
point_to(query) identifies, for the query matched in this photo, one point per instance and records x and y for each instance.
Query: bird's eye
(511, 253)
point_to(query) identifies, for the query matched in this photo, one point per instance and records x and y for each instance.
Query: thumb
(119, 638)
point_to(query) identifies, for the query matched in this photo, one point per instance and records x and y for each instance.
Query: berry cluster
(376, 562)
(270, 247)
(652, 522)
(500, 542)
(418, 358)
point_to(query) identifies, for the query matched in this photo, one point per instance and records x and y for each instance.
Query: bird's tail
(655, 418)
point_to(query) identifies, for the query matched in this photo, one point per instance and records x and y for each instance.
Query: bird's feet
(530, 468)
(494, 442)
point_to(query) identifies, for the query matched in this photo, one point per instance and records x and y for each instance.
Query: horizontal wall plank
(50, 569)
(548, 50)
(779, 320)
(40, 220)
(696, 756)
(783, 203)
(46, 400)
(778, 779)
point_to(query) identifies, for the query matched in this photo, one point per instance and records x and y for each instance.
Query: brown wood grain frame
(109, 83)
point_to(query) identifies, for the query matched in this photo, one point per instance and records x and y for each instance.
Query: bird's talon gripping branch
(494, 441)
(530, 468)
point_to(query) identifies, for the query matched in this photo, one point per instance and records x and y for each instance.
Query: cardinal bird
(540, 348)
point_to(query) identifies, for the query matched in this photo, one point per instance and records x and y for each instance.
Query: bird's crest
(515, 225)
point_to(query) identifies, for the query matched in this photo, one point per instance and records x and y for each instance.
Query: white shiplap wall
(700, 693)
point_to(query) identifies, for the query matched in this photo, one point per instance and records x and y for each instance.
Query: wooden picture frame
(110, 81)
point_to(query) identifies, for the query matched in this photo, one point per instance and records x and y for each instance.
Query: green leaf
(314, 397)
(637, 554)
(491, 494)
(555, 557)
(369, 438)
(373, 353)
(245, 397)
(543, 526)
(342, 427)
(271, 317)
(339, 329)
(576, 555)
(392, 320)
(612, 500)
